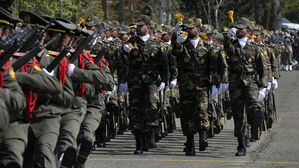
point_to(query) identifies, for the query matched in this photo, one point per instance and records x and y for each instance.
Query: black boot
(241, 147)
(85, 149)
(145, 146)
(203, 140)
(69, 157)
(138, 139)
(151, 139)
(254, 133)
(190, 148)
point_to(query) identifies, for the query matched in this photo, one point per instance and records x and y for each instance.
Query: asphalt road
(279, 147)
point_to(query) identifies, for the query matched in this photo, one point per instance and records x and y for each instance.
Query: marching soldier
(146, 63)
(197, 74)
(34, 83)
(245, 65)
(100, 79)
(12, 99)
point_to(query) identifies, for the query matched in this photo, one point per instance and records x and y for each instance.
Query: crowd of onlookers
(290, 53)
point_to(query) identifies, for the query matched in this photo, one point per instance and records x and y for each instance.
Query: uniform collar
(195, 42)
(145, 38)
(243, 41)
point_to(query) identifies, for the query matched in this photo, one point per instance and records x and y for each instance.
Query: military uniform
(89, 73)
(197, 72)
(246, 76)
(16, 138)
(146, 62)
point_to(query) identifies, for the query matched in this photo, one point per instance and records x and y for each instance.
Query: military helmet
(91, 21)
(207, 29)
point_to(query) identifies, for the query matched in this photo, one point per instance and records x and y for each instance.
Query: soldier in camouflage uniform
(223, 76)
(171, 93)
(247, 81)
(272, 76)
(208, 33)
(147, 61)
(197, 74)
(122, 73)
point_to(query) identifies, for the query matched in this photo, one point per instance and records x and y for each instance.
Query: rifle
(33, 52)
(101, 55)
(4, 43)
(61, 55)
(164, 130)
(36, 37)
(88, 41)
(15, 43)
(274, 107)
(172, 101)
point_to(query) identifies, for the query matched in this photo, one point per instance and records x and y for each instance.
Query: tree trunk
(105, 10)
(121, 12)
(160, 11)
(216, 9)
(277, 15)
(169, 6)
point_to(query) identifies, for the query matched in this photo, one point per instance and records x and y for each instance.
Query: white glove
(262, 94)
(268, 88)
(48, 73)
(232, 33)
(123, 87)
(109, 94)
(71, 69)
(274, 83)
(161, 87)
(214, 92)
(173, 83)
(177, 27)
(127, 48)
(181, 38)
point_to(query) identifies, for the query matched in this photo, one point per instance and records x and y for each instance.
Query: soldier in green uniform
(12, 99)
(45, 122)
(197, 74)
(100, 79)
(35, 83)
(247, 81)
(146, 63)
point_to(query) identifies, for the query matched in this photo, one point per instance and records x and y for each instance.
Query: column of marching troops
(67, 88)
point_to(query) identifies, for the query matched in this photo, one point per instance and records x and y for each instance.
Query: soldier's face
(241, 33)
(108, 34)
(5, 32)
(103, 35)
(192, 32)
(259, 38)
(158, 35)
(142, 30)
(115, 33)
(166, 37)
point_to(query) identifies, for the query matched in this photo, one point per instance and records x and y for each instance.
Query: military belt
(244, 73)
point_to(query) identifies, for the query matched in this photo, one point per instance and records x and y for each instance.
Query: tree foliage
(210, 11)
